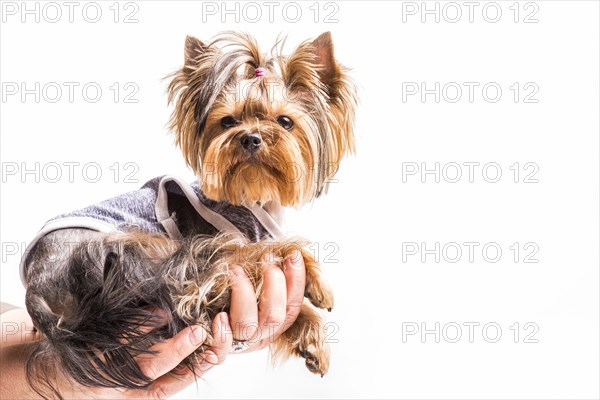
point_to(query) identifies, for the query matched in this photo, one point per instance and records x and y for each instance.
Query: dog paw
(306, 338)
(319, 294)
(316, 291)
(313, 363)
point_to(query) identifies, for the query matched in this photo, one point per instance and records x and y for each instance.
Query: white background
(372, 211)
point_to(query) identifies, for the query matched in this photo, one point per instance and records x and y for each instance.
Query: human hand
(162, 368)
(279, 306)
(279, 303)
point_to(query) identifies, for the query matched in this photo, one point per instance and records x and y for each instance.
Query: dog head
(259, 128)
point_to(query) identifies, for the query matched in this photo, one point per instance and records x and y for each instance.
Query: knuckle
(295, 304)
(180, 370)
(245, 330)
(275, 316)
(293, 309)
(275, 275)
(148, 368)
(159, 392)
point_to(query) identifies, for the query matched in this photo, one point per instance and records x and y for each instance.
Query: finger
(222, 339)
(272, 304)
(295, 281)
(164, 387)
(243, 313)
(169, 384)
(171, 352)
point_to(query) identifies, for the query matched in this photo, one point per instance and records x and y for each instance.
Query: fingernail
(224, 318)
(210, 358)
(295, 258)
(197, 335)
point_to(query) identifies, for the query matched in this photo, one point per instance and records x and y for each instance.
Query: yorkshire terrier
(261, 131)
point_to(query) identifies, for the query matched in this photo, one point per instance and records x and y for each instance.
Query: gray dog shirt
(166, 205)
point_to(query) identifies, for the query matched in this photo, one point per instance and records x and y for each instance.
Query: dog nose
(251, 142)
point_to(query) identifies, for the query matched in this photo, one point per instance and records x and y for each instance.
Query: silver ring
(237, 346)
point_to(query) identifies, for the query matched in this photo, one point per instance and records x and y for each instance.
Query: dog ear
(342, 101)
(329, 71)
(194, 48)
(190, 91)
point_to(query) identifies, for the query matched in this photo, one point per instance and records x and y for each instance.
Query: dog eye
(228, 122)
(285, 122)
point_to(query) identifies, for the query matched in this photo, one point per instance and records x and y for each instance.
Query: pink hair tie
(259, 72)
